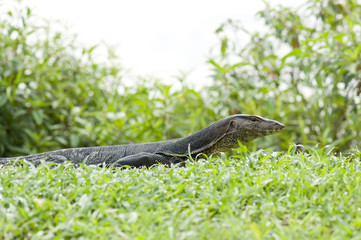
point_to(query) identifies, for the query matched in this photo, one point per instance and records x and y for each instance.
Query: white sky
(157, 38)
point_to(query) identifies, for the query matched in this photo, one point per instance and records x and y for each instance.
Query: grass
(261, 195)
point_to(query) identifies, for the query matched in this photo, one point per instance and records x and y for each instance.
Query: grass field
(261, 195)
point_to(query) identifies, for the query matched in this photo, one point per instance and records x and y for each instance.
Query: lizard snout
(277, 127)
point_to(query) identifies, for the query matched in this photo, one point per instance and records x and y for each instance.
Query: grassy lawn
(261, 195)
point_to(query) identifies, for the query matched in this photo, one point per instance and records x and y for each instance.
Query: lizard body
(220, 136)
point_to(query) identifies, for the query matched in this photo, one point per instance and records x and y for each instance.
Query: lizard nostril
(281, 126)
(278, 126)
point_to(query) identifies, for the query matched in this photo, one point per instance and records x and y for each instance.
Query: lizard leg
(145, 159)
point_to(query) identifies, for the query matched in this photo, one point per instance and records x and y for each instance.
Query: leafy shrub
(304, 69)
(48, 87)
(55, 95)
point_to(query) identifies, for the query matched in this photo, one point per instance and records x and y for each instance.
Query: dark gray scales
(220, 136)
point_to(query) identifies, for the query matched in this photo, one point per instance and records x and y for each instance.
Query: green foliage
(262, 195)
(46, 89)
(304, 69)
(55, 95)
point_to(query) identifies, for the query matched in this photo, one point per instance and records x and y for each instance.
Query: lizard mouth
(278, 128)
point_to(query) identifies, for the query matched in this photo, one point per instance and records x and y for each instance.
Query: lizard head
(245, 128)
(225, 134)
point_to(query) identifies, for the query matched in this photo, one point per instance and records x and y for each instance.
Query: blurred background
(157, 38)
(82, 73)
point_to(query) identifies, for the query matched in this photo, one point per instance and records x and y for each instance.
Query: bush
(49, 87)
(55, 95)
(304, 69)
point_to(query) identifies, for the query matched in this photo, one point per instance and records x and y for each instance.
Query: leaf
(294, 52)
(38, 117)
(23, 21)
(240, 64)
(224, 46)
(32, 135)
(256, 231)
(90, 50)
(220, 29)
(3, 100)
(211, 61)
(62, 140)
(18, 77)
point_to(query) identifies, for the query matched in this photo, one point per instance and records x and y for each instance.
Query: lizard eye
(254, 120)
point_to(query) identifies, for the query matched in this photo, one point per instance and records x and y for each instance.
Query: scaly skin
(220, 136)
